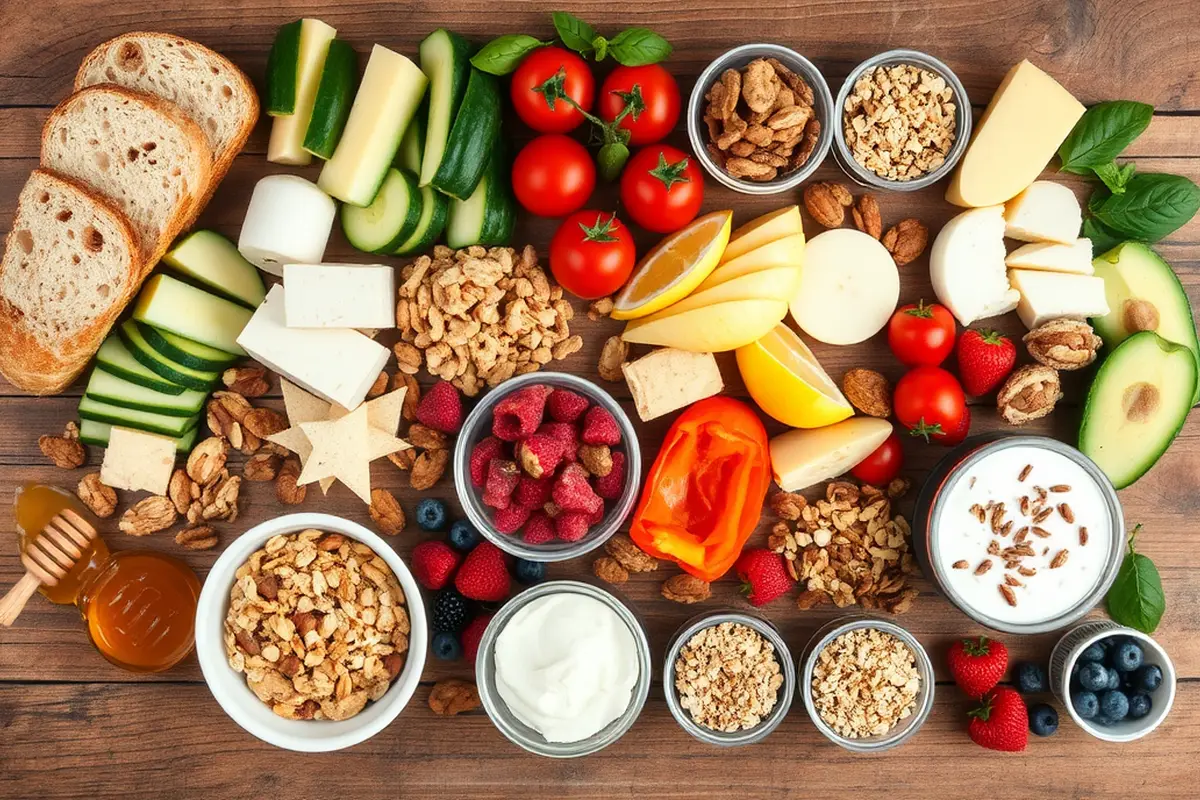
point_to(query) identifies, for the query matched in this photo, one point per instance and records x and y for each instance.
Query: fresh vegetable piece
(674, 268)
(114, 357)
(185, 351)
(921, 335)
(1102, 133)
(412, 146)
(93, 409)
(636, 47)
(165, 367)
(977, 664)
(108, 388)
(884, 464)
(985, 358)
(930, 403)
(293, 74)
(653, 97)
(435, 210)
(704, 493)
(592, 254)
(662, 188)
(1153, 206)
(445, 59)
(1136, 597)
(503, 54)
(553, 176)
(181, 308)
(283, 68)
(211, 259)
(486, 217)
(574, 32)
(472, 138)
(541, 83)
(391, 218)
(335, 95)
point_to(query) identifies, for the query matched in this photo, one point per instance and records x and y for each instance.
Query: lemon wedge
(675, 267)
(787, 382)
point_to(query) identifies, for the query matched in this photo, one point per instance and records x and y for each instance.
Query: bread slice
(71, 263)
(206, 85)
(138, 150)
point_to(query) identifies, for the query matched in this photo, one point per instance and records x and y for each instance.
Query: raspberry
(539, 455)
(533, 493)
(612, 485)
(571, 526)
(600, 427)
(502, 479)
(482, 455)
(564, 433)
(566, 406)
(509, 520)
(539, 529)
(519, 414)
(573, 492)
(441, 408)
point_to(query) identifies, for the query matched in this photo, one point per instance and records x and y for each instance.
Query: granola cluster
(728, 677)
(317, 623)
(865, 682)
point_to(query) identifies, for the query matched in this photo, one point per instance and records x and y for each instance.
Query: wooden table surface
(71, 725)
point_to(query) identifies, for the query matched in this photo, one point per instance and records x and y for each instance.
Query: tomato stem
(602, 230)
(924, 429)
(920, 310)
(671, 174)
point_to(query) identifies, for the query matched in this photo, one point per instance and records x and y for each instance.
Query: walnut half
(1063, 344)
(1029, 393)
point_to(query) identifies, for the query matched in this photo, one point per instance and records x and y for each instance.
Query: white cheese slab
(1057, 295)
(339, 296)
(138, 461)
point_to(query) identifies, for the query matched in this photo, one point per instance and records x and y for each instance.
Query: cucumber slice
(293, 74)
(171, 305)
(335, 94)
(99, 411)
(116, 391)
(211, 259)
(489, 214)
(413, 144)
(391, 90)
(446, 59)
(472, 139)
(390, 219)
(185, 351)
(283, 65)
(147, 356)
(435, 208)
(97, 433)
(114, 358)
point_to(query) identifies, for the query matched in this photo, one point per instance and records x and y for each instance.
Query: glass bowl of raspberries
(547, 466)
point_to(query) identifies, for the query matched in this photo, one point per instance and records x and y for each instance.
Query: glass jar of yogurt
(1023, 533)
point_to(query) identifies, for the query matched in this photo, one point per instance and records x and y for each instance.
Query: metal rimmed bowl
(907, 727)
(782, 702)
(517, 731)
(962, 133)
(737, 58)
(479, 426)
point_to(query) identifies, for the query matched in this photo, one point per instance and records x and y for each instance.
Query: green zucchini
(390, 219)
(435, 208)
(170, 304)
(210, 259)
(139, 348)
(335, 95)
(99, 411)
(472, 139)
(97, 433)
(486, 217)
(185, 351)
(446, 61)
(283, 70)
(293, 72)
(413, 144)
(114, 358)
(116, 391)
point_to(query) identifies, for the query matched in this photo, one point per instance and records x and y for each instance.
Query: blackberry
(449, 612)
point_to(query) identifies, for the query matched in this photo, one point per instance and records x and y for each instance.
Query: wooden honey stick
(47, 559)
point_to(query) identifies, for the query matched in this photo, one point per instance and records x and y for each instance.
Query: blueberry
(1093, 677)
(1114, 705)
(529, 572)
(1102, 721)
(1148, 677)
(446, 646)
(1031, 678)
(1043, 720)
(1139, 705)
(1093, 652)
(1074, 683)
(1085, 703)
(431, 514)
(463, 536)
(1114, 679)
(1125, 656)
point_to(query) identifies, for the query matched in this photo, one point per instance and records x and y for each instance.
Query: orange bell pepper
(704, 494)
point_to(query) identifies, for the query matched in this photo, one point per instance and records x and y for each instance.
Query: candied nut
(148, 515)
(614, 353)
(906, 240)
(608, 569)
(826, 203)
(219, 501)
(745, 168)
(759, 85)
(182, 490)
(866, 216)
(379, 386)
(199, 537)
(287, 491)
(403, 459)
(100, 499)
(412, 394)
(686, 589)
(868, 391)
(234, 404)
(264, 422)
(65, 453)
(427, 469)
(629, 555)
(246, 381)
(788, 505)
(1063, 344)
(262, 467)
(426, 438)
(1029, 393)
(207, 459)
(451, 696)
(596, 459)
(385, 510)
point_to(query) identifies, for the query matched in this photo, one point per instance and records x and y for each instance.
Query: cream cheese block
(1074, 258)
(848, 287)
(666, 380)
(339, 296)
(1044, 212)
(288, 222)
(1054, 295)
(966, 266)
(336, 364)
(138, 461)
(802, 458)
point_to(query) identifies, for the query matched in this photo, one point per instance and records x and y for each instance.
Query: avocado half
(1137, 404)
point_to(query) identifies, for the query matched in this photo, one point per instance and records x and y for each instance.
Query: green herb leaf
(504, 54)
(1153, 206)
(1102, 133)
(574, 32)
(1136, 598)
(635, 47)
(1103, 237)
(1115, 177)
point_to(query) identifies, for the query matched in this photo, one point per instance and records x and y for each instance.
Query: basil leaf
(1103, 237)
(503, 54)
(1136, 598)
(636, 47)
(1115, 177)
(1153, 206)
(574, 32)
(1102, 133)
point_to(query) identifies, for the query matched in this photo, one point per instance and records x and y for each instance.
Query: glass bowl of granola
(311, 632)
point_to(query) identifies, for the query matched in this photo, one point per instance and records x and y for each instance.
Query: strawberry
(612, 485)
(484, 575)
(764, 577)
(502, 479)
(539, 529)
(600, 427)
(433, 563)
(481, 456)
(566, 406)
(518, 415)
(977, 664)
(1001, 722)
(471, 637)
(441, 408)
(985, 358)
(539, 455)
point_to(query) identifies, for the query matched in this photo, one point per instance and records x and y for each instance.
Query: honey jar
(139, 606)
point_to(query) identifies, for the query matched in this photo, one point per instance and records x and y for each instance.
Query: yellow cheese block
(763, 230)
(803, 458)
(1029, 117)
(711, 329)
(765, 284)
(785, 252)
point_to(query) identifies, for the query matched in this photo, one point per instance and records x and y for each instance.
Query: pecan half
(200, 537)
(426, 438)
(207, 459)
(1063, 344)
(906, 240)
(868, 391)
(1030, 393)
(101, 500)
(286, 490)
(827, 202)
(264, 422)
(262, 467)
(452, 696)
(65, 453)
(629, 555)
(385, 510)
(427, 469)
(608, 569)
(686, 589)
(866, 216)
(182, 490)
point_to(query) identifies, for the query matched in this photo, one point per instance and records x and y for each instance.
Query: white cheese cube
(287, 222)
(966, 266)
(668, 379)
(1056, 295)
(138, 461)
(336, 364)
(339, 296)
(1075, 258)
(1044, 212)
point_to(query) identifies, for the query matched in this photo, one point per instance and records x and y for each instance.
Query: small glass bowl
(906, 728)
(962, 133)
(479, 426)
(521, 734)
(782, 703)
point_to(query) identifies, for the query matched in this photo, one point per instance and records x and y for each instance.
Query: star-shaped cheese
(339, 449)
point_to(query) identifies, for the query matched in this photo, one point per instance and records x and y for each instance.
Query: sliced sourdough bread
(138, 150)
(206, 85)
(71, 263)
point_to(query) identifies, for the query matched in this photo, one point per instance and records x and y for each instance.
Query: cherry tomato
(930, 402)
(883, 464)
(662, 188)
(651, 118)
(553, 175)
(921, 335)
(530, 83)
(592, 254)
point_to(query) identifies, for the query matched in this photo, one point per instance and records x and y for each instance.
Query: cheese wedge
(1075, 258)
(802, 458)
(711, 329)
(966, 266)
(1055, 295)
(785, 252)
(765, 284)
(1044, 212)
(763, 230)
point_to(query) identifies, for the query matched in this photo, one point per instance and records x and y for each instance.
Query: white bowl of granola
(311, 632)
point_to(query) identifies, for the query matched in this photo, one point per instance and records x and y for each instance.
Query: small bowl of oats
(311, 632)
(903, 121)
(868, 684)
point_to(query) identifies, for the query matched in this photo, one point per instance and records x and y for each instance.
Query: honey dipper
(47, 559)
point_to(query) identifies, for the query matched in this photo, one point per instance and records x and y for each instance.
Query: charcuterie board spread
(566, 474)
